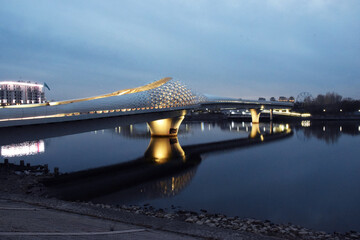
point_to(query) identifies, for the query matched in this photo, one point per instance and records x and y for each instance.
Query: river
(305, 173)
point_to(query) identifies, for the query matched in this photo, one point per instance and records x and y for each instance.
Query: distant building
(16, 93)
(291, 99)
(272, 99)
(283, 99)
(262, 99)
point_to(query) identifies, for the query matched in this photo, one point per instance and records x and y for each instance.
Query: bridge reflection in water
(165, 169)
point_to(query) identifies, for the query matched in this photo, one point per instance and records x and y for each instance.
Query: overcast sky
(244, 49)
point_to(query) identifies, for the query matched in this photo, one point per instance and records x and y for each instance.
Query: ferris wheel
(304, 96)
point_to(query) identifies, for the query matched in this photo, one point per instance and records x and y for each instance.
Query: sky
(230, 48)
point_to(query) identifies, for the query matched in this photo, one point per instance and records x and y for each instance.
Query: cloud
(234, 48)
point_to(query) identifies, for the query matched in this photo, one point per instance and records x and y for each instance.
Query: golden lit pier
(166, 127)
(255, 115)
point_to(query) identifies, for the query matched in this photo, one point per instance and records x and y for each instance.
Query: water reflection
(164, 149)
(253, 130)
(23, 149)
(165, 169)
(330, 132)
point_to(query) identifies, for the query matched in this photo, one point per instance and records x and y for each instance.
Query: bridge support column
(167, 127)
(255, 115)
(271, 114)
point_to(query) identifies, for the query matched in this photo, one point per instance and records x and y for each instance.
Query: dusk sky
(242, 49)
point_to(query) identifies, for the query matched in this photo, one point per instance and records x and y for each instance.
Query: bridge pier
(255, 115)
(167, 127)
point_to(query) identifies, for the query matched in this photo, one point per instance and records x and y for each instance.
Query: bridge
(162, 104)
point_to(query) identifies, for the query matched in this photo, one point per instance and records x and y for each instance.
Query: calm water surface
(303, 173)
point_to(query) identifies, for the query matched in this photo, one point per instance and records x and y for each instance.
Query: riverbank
(25, 186)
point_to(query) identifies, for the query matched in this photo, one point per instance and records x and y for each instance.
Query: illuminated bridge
(162, 104)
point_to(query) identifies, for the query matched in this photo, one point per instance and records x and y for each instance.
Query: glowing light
(202, 126)
(340, 128)
(172, 184)
(305, 123)
(340, 110)
(305, 115)
(117, 93)
(324, 110)
(262, 138)
(30, 118)
(324, 129)
(22, 83)
(26, 105)
(23, 149)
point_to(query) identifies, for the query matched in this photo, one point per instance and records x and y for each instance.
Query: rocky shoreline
(266, 228)
(28, 183)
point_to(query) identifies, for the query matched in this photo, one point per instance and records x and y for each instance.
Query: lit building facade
(16, 93)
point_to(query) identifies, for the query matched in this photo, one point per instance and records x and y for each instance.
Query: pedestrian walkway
(21, 220)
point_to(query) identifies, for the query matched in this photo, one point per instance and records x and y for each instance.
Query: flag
(45, 85)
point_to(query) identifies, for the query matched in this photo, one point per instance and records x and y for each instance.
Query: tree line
(330, 103)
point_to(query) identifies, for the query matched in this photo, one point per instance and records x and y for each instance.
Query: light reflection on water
(23, 149)
(309, 178)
